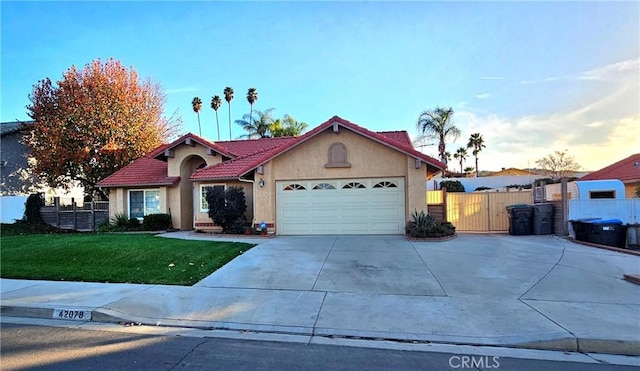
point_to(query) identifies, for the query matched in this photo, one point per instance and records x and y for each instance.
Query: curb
(569, 344)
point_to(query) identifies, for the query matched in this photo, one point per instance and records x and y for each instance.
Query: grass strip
(126, 258)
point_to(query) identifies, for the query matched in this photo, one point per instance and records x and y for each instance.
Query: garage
(340, 206)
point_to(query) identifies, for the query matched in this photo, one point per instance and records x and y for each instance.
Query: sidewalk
(557, 314)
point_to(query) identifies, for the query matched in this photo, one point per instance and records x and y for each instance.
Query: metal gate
(481, 211)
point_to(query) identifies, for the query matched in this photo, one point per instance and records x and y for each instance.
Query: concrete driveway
(487, 265)
(478, 288)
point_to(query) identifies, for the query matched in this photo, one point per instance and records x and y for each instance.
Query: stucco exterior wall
(368, 159)
(416, 195)
(183, 151)
(630, 190)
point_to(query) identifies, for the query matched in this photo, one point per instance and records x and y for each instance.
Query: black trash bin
(609, 232)
(542, 219)
(519, 219)
(580, 228)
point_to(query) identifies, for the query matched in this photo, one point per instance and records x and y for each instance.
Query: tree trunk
(218, 125)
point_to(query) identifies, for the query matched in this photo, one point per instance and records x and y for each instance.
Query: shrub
(423, 225)
(105, 226)
(227, 208)
(482, 188)
(120, 221)
(32, 209)
(156, 222)
(519, 186)
(452, 185)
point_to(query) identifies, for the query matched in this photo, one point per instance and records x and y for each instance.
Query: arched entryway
(189, 166)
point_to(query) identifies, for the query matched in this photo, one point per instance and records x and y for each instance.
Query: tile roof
(398, 136)
(246, 155)
(241, 166)
(195, 138)
(251, 146)
(145, 171)
(626, 170)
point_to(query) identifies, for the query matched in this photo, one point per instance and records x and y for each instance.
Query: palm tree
(196, 103)
(228, 96)
(468, 170)
(252, 97)
(477, 143)
(437, 124)
(258, 126)
(288, 127)
(216, 102)
(461, 154)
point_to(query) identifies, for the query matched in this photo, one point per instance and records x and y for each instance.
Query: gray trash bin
(519, 219)
(542, 218)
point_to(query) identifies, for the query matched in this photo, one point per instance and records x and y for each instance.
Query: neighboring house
(512, 171)
(338, 178)
(16, 179)
(14, 176)
(626, 170)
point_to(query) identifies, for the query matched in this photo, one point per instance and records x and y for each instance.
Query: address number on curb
(72, 314)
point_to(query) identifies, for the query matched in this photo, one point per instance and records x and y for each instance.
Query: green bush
(482, 188)
(423, 225)
(105, 226)
(32, 209)
(452, 186)
(133, 223)
(156, 222)
(120, 220)
(227, 208)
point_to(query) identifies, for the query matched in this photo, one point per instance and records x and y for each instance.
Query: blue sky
(531, 77)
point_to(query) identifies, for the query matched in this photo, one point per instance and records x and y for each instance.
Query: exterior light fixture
(261, 182)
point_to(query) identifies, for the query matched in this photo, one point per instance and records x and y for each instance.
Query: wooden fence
(85, 216)
(477, 211)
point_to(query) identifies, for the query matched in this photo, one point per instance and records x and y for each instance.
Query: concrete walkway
(485, 289)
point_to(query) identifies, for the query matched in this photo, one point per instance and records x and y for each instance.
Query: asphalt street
(30, 347)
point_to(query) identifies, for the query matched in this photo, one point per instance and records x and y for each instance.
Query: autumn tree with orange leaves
(93, 122)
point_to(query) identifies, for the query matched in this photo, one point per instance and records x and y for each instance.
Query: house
(627, 170)
(14, 179)
(338, 178)
(512, 171)
(17, 181)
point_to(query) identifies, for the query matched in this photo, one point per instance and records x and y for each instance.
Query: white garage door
(340, 206)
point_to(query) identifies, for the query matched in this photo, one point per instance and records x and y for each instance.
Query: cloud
(483, 95)
(611, 71)
(598, 128)
(491, 78)
(186, 89)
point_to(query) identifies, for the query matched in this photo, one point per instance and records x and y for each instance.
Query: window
(324, 186)
(294, 187)
(385, 185)
(144, 202)
(353, 185)
(602, 194)
(204, 205)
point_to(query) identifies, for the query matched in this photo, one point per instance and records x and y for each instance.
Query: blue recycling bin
(609, 232)
(580, 228)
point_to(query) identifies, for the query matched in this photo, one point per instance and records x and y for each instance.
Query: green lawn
(132, 258)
